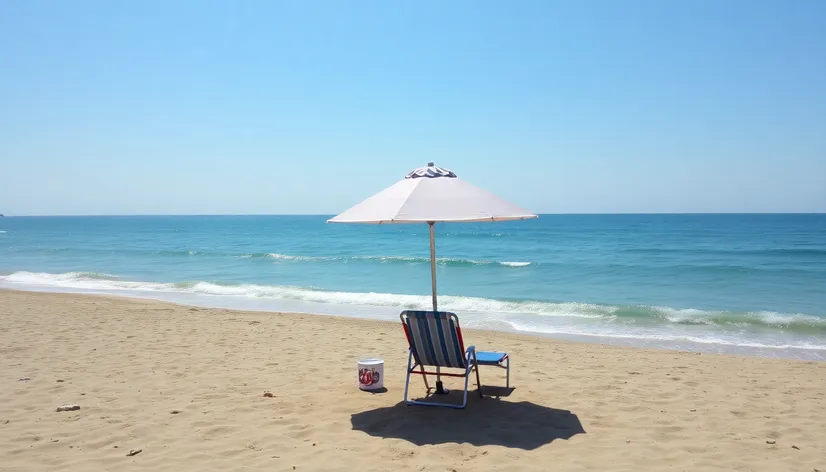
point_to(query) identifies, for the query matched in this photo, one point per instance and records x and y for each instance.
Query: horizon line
(80, 215)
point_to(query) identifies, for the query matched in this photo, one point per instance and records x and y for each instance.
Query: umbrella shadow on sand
(520, 425)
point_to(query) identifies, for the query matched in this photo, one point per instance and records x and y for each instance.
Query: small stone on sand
(795, 447)
(68, 407)
(269, 395)
(134, 452)
(174, 412)
(770, 441)
(59, 380)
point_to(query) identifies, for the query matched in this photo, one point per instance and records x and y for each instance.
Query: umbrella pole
(440, 390)
(433, 265)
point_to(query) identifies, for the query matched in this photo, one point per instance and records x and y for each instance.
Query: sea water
(721, 283)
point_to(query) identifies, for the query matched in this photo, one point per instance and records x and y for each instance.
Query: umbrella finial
(431, 171)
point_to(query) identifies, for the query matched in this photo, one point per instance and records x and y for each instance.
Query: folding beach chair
(435, 340)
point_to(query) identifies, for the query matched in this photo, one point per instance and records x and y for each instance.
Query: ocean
(752, 284)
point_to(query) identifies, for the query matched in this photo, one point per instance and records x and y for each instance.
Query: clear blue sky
(308, 107)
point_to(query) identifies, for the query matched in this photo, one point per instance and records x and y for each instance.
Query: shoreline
(390, 324)
(368, 312)
(185, 385)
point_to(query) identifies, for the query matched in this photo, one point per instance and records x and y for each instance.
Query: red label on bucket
(368, 377)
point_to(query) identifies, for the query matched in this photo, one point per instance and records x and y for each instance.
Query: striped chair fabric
(435, 338)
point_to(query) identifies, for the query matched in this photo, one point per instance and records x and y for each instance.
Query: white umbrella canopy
(429, 195)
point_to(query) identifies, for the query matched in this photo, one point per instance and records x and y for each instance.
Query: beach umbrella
(432, 195)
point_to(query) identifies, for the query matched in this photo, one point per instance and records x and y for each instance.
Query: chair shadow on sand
(488, 421)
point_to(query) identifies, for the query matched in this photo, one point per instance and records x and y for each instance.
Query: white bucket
(371, 374)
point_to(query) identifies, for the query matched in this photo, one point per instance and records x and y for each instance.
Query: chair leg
(407, 379)
(424, 377)
(508, 373)
(464, 398)
(447, 405)
(478, 382)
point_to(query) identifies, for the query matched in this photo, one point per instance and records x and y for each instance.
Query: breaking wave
(640, 315)
(383, 260)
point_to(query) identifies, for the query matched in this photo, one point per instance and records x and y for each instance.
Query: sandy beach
(186, 386)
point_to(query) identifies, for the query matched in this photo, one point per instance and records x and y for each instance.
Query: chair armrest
(471, 350)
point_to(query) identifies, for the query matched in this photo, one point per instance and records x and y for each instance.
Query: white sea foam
(83, 280)
(783, 319)
(422, 260)
(386, 259)
(716, 318)
(68, 277)
(93, 281)
(515, 264)
(644, 323)
(649, 336)
(285, 257)
(383, 259)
